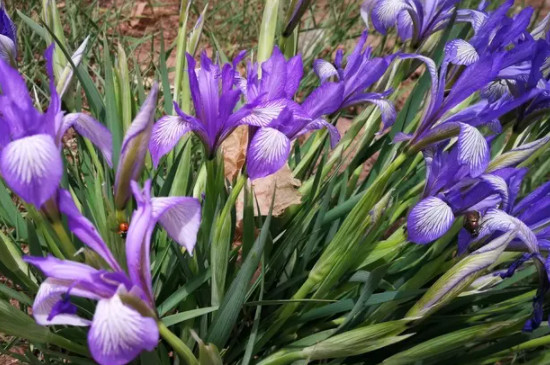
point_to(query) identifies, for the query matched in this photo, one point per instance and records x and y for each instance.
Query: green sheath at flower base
(460, 276)
(266, 39)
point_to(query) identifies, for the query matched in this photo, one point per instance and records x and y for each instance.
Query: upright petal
(274, 74)
(180, 217)
(119, 333)
(138, 240)
(84, 229)
(134, 148)
(32, 168)
(51, 292)
(89, 128)
(326, 99)
(294, 73)
(267, 153)
(430, 219)
(473, 150)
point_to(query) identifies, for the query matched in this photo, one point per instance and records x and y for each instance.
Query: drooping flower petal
(320, 123)
(460, 52)
(8, 38)
(385, 13)
(32, 168)
(387, 109)
(51, 292)
(324, 69)
(180, 217)
(89, 128)
(473, 150)
(166, 133)
(8, 51)
(267, 153)
(63, 269)
(84, 229)
(429, 220)
(119, 333)
(497, 220)
(265, 112)
(499, 185)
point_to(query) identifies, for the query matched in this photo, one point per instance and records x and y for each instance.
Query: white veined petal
(429, 220)
(386, 11)
(49, 293)
(166, 133)
(267, 153)
(473, 150)
(264, 113)
(180, 217)
(119, 333)
(324, 69)
(32, 167)
(460, 52)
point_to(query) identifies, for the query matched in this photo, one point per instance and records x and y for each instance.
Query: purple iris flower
(530, 216)
(414, 19)
(276, 119)
(274, 90)
(215, 97)
(439, 123)
(8, 37)
(124, 322)
(452, 190)
(360, 73)
(30, 141)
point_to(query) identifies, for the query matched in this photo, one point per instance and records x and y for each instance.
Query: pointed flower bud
(134, 149)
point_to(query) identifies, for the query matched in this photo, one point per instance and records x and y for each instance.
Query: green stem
(64, 239)
(178, 345)
(511, 141)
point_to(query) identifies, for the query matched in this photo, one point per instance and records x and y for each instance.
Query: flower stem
(178, 345)
(65, 241)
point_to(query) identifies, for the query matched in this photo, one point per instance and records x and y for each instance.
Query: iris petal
(32, 168)
(473, 150)
(267, 152)
(119, 333)
(180, 217)
(430, 219)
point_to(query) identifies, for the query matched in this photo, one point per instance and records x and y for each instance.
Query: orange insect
(123, 229)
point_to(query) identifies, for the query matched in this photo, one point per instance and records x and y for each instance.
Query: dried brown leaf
(286, 193)
(234, 152)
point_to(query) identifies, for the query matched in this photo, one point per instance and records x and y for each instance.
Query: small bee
(123, 230)
(471, 222)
